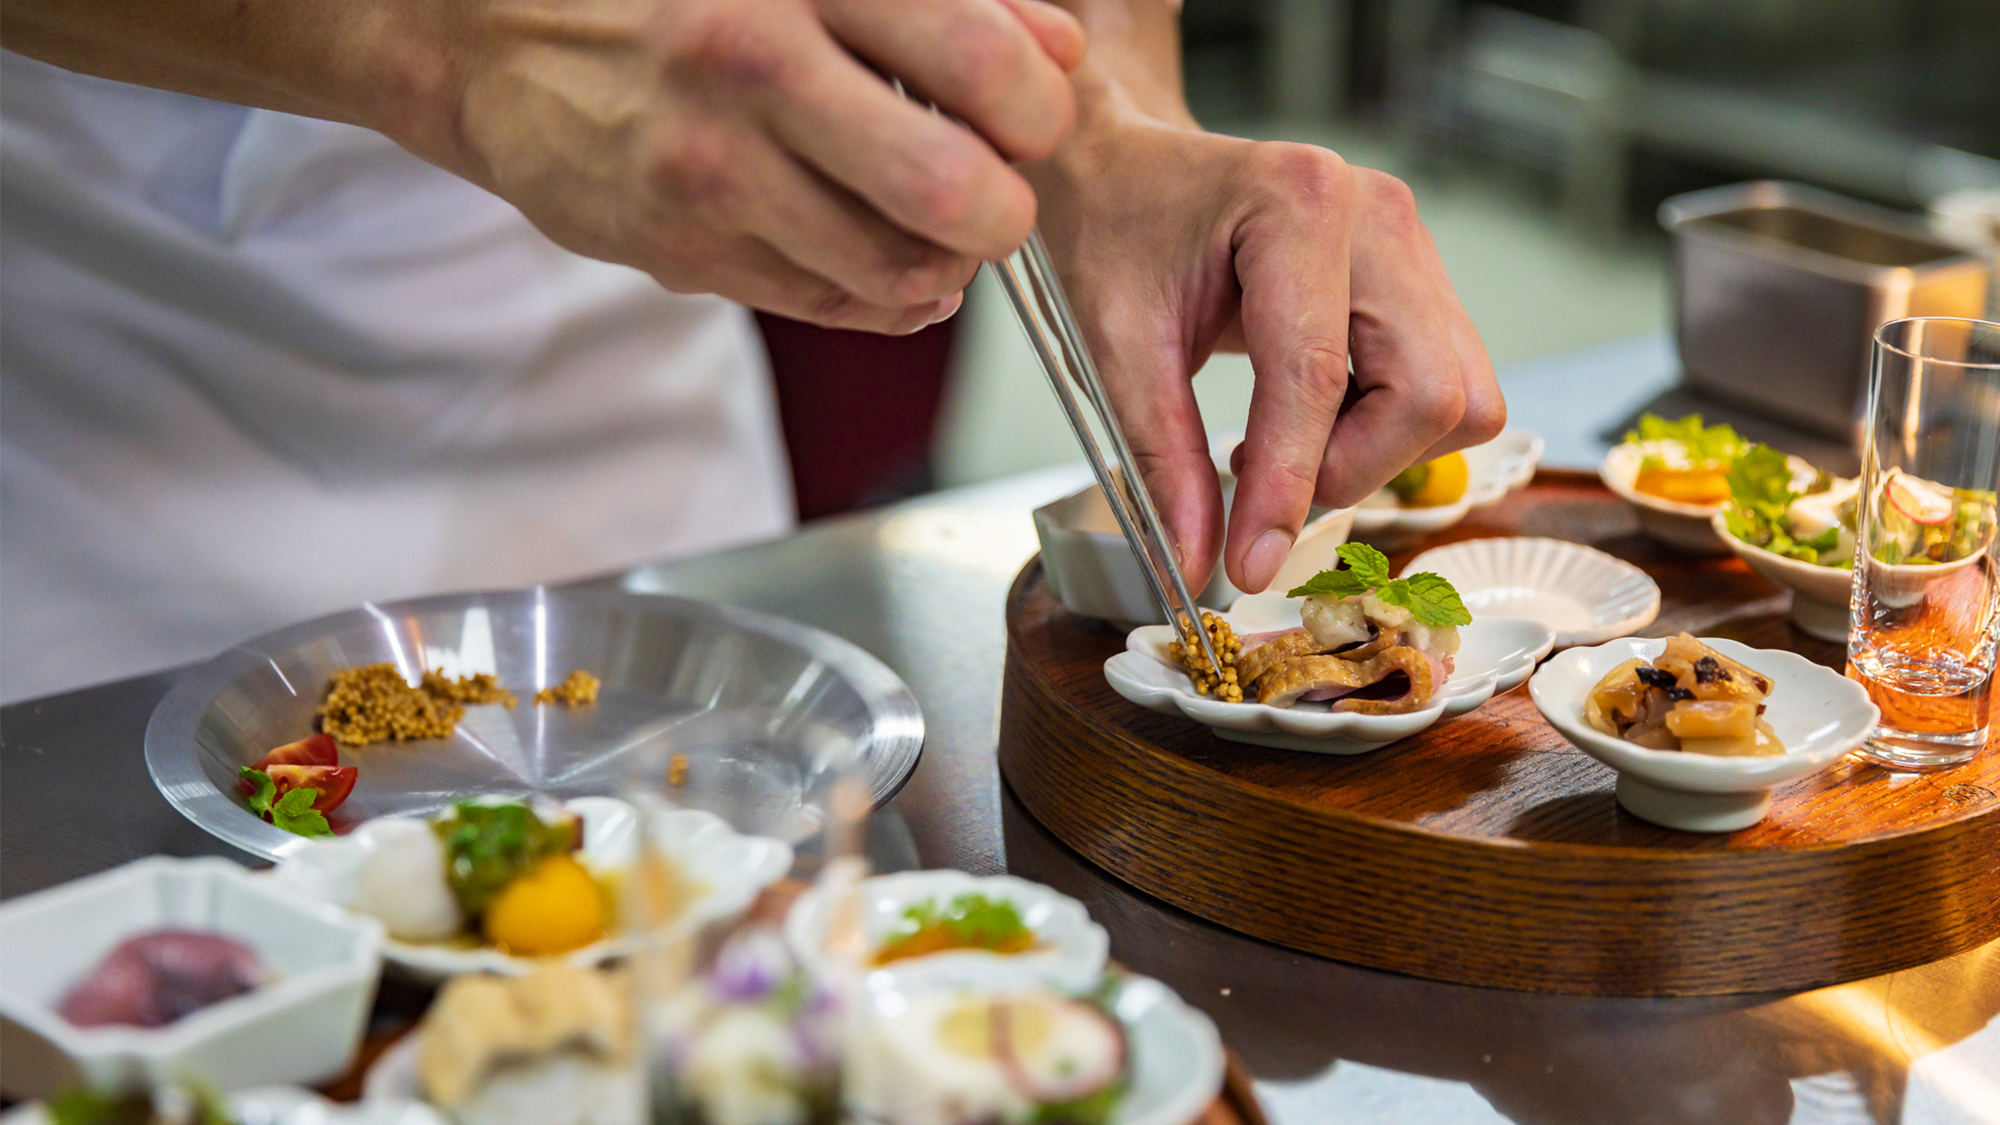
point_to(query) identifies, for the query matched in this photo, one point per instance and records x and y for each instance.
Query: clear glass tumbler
(1925, 619)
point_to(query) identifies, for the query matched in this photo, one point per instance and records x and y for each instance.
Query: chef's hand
(740, 147)
(747, 148)
(1175, 243)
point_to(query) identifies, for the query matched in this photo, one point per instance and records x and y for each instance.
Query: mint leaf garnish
(1367, 563)
(262, 789)
(1429, 597)
(294, 813)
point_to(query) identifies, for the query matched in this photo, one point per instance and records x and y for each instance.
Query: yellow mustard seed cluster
(374, 703)
(579, 689)
(1187, 653)
(480, 687)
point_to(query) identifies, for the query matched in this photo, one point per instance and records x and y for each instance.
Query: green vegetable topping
(1759, 511)
(293, 812)
(487, 846)
(1430, 598)
(1705, 445)
(969, 921)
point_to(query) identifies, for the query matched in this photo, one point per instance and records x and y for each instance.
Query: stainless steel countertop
(921, 585)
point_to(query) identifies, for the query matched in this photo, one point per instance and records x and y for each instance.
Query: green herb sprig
(292, 812)
(1759, 511)
(1430, 598)
(1705, 445)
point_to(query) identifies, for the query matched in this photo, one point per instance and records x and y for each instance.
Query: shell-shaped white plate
(1070, 948)
(1495, 655)
(1819, 593)
(1175, 1056)
(1584, 595)
(1493, 470)
(291, 1105)
(1816, 712)
(726, 868)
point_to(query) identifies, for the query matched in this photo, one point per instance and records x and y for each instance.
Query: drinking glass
(1925, 616)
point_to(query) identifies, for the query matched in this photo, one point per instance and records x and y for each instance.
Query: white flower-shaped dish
(1585, 595)
(1819, 593)
(1817, 713)
(726, 868)
(1070, 948)
(1495, 656)
(1493, 470)
(291, 1105)
(1684, 527)
(302, 1025)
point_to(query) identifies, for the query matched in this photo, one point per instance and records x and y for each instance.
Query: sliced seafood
(1690, 698)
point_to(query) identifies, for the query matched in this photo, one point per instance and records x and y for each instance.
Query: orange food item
(939, 938)
(1685, 486)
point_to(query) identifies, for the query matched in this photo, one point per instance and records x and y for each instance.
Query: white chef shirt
(257, 367)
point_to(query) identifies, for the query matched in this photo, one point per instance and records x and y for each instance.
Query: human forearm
(379, 63)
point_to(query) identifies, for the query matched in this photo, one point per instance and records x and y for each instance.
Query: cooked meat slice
(1332, 677)
(1379, 641)
(1291, 644)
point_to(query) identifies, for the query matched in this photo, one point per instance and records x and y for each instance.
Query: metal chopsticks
(1044, 311)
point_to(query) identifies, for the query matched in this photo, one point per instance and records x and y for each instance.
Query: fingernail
(947, 308)
(1265, 556)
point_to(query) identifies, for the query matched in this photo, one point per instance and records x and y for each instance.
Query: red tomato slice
(333, 782)
(317, 750)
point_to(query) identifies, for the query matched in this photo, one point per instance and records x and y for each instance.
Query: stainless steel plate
(767, 710)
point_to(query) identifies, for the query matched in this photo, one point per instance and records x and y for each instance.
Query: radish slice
(1920, 500)
(1053, 1049)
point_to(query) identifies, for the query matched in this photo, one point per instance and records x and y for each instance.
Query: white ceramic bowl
(282, 1105)
(1819, 593)
(302, 1026)
(1583, 594)
(1091, 570)
(1495, 656)
(728, 867)
(1493, 470)
(1684, 527)
(1817, 713)
(1071, 950)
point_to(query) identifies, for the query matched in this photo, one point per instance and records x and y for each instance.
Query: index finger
(1291, 261)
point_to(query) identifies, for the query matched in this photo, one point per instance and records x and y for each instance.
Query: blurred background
(1540, 137)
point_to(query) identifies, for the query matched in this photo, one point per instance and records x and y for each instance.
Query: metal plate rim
(895, 737)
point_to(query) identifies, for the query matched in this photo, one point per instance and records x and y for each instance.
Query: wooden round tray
(1485, 850)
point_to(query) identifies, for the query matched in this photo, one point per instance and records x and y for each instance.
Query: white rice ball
(403, 884)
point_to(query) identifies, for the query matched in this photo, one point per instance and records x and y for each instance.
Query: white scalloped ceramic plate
(1496, 655)
(1071, 952)
(728, 867)
(1817, 713)
(1493, 470)
(291, 1105)
(1585, 595)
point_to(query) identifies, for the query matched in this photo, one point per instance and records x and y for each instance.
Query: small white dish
(1585, 595)
(1495, 655)
(1817, 713)
(1819, 593)
(1091, 571)
(303, 1025)
(729, 869)
(1684, 527)
(1503, 465)
(1070, 949)
(291, 1105)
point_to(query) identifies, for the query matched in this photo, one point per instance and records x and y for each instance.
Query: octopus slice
(1369, 687)
(1275, 649)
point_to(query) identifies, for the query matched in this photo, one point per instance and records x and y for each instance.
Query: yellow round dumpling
(553, 907)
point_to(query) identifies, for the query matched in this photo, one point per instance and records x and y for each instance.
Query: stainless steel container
(1778, 288)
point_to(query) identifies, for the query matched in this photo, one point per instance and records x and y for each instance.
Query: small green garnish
(968, 921)
(1705, 445)
(292, 812)
(1430, 598)
(487, 846)
(1411, 481)
(1759, 511)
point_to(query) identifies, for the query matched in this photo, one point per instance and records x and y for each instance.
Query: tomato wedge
(317, 750)
(333, 782)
